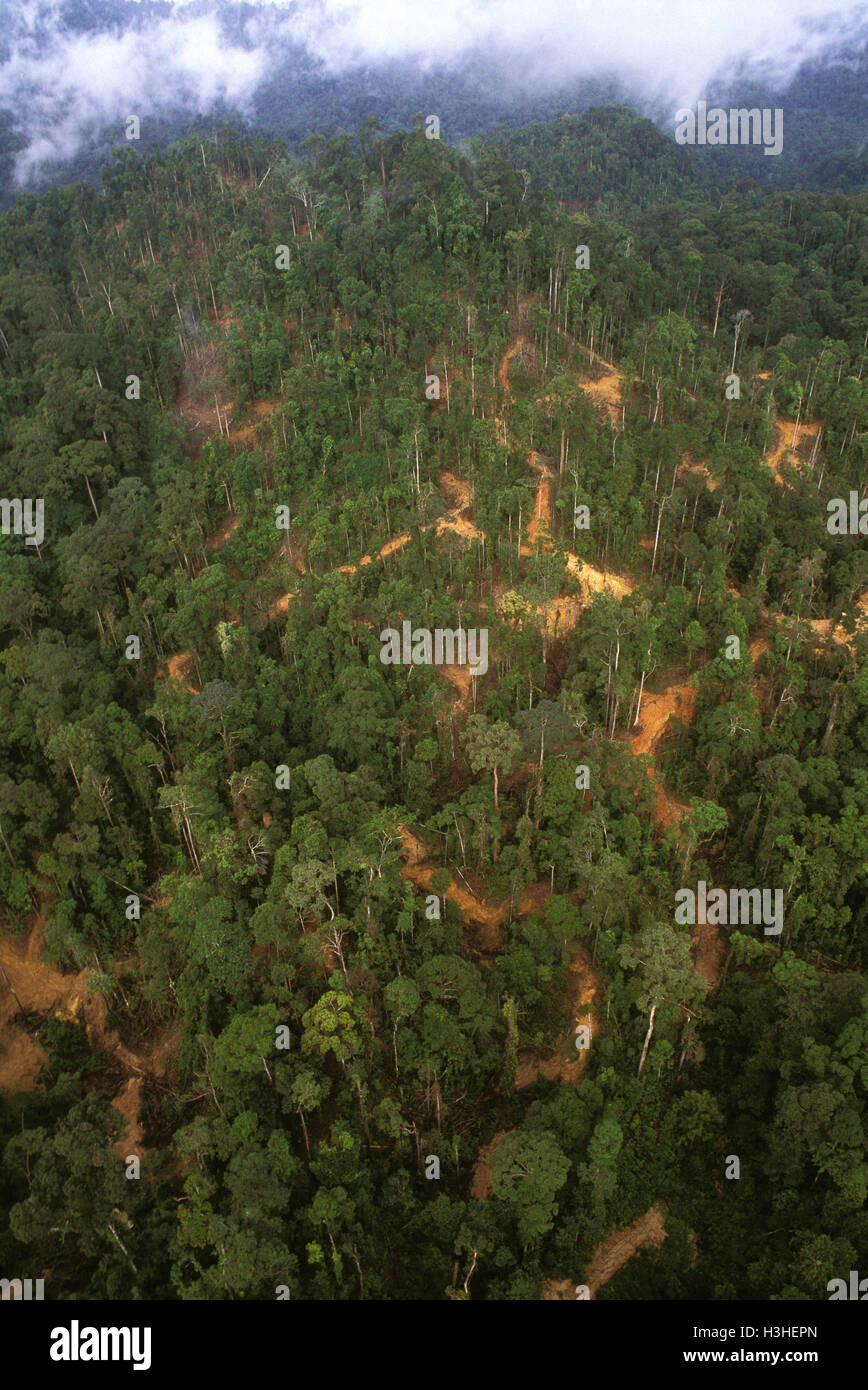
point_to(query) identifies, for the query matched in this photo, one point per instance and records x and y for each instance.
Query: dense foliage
(271, 900)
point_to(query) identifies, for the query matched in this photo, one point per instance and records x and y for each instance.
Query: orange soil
(129, 1102)
(261, 411)
(606, 391)
(679, 699)
(462, 680)
(221, 536)
(513, 350)
(558, 1291)
(689, 466)
(281, 606)
(396, 543)
(708, 951)
(539, 527)
(561, 615)
(594, 581)
(487, 916)
(457, 491)
(612, 1254)
(40, 988)
(515, 347)
(21, 1059)
(412, 846)
(823, 626)
(620, 1246)
(460, 525)
(566, 1062)
(178, 667)
(657, 709)
(786, 439)
(480, 1182)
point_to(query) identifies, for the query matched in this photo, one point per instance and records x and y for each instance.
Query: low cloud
(72, 85)
(664, 46)
(63, 87)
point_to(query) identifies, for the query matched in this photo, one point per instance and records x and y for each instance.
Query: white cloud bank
(63, 86)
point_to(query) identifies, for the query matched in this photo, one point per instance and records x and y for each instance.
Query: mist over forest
(73, 71)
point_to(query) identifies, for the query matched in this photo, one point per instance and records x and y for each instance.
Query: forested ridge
(286, 922)
(56, 131)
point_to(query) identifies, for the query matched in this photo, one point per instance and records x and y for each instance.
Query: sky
(63, 86)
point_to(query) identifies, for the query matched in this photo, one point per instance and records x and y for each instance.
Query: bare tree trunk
(656, 539)
(647, 1040)
(639, 701)
(119, 1242)
(304, 1131)
(90, 495)
(717, 307)
(9, 852)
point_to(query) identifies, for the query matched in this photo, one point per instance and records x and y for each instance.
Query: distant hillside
(294, 95)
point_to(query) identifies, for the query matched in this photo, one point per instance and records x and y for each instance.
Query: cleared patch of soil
(396, 543)
(129, 1102)
(484, 914)
(620, 1246)
(789, 435)
(823, 626)
(539, 528)
(460, 678)
(515, 347)
(558, 1291)
(221, 536)
(480, 1182)
(657, 709)
(689, 466)
(566, 1062)
(605, 391)
(21, 1059)
(613, 1253)
(29, 985)
(456, 491)
(708, 952)
(178, 667)
(260, 410)
(594, 581)
(460, 525)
